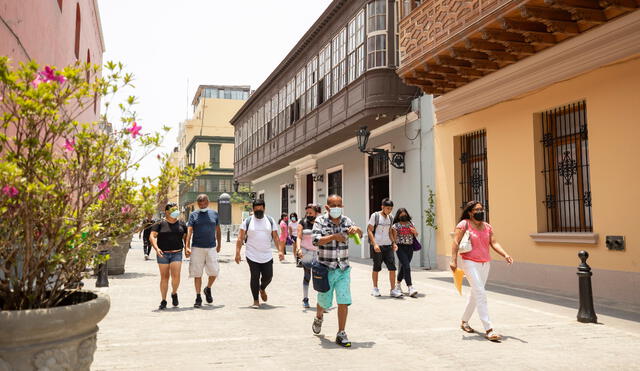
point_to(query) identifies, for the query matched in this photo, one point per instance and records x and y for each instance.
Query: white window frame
(338, 61)
(372, 34)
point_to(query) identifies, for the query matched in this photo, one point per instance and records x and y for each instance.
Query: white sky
(164, 43)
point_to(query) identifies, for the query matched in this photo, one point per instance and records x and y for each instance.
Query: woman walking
(476, 263)
(168, 238)
(304, 248)
(403, 232)
(284, 230)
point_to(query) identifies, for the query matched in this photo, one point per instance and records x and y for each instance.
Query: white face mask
(175, 214)
(335, 212)
(203, 210)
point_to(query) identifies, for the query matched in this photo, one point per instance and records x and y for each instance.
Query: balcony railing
(446, 44)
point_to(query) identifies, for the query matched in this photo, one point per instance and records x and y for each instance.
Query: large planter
(60, 338)
(118, 255)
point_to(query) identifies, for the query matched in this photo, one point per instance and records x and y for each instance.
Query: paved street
(420, 333)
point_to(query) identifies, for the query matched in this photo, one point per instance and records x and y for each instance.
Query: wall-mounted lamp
(396, 159)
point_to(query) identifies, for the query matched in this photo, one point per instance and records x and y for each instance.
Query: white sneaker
(146, 257)
(396, 293)
(398, 287)
(413, 292)
(375, 292)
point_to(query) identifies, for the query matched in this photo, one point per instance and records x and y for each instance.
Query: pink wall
(41, 31)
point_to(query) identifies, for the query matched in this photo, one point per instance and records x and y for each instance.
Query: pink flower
(104, 190)
(49, 74)
(10, 191)
(69, 145)
(37, 81)
(125, 209)
(134, 130)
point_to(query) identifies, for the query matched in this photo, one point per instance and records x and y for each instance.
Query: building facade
(536, 107)
(207, 139)
(57, 33)
(296, 136)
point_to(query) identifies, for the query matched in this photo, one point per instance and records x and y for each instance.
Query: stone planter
(118, 255)
(60, 338)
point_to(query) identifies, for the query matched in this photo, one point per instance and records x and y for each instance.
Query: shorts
(169, 257)
(203, 259)
(340, 282)
(385, 255)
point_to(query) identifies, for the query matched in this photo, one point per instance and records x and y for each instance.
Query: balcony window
(377, 16)
(338, 61)
(214, 156)
(324, 74)
(355, 47)
(301, 82)
(377, 51)
(312, 84)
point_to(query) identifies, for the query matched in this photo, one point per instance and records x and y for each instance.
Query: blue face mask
(335, 212)
(175, 214)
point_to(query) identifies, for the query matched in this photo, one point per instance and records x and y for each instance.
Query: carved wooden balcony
(445, 44)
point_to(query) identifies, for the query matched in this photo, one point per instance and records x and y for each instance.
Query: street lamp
(236, 185)
(396, 159)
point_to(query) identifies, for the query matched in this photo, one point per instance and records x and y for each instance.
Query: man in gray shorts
(204, 240)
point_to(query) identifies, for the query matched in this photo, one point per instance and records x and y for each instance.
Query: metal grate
(566, 169)
(284, 200)
(473, 161)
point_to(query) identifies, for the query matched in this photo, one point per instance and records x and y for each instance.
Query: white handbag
(465, 243)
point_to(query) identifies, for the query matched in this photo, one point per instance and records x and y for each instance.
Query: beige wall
(612, 97)
(226, 154)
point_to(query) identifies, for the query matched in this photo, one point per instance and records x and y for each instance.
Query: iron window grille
(284, 204)
(473, 165)
(566, 169)
(335, 183)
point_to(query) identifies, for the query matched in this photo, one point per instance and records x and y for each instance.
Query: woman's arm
(453, 264)
(394, 235)
(154, 242)
(298, 240)
(497, 248)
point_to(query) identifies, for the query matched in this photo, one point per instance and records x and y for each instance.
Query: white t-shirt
(294, 228)
(382, 231)
(259, 239)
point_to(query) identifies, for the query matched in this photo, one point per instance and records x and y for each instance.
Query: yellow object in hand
(458, 275)
(356, 238)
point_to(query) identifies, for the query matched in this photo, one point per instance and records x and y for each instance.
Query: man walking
(203, 227)
(381, 247)
(145, 233)
(257, 232)
(331, 235)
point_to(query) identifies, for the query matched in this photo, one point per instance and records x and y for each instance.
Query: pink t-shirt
(480, 241)
(284, 231)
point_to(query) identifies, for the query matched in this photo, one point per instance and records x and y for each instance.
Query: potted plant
(65, 188)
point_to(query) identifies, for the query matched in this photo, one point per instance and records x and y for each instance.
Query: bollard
(586, 313)
(102, 279)
(229, 234)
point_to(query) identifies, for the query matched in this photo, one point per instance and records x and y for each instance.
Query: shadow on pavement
(329, 344)
(480, 337)
(552, 298)
(130, 275)
(263, 307)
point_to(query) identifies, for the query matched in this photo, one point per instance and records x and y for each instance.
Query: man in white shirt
(381, 247)
(257, 232)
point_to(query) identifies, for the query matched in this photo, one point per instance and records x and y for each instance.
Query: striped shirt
(334, 254)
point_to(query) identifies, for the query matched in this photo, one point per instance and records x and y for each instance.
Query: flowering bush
(65, 186)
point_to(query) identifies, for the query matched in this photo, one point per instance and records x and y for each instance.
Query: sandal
(466, 328)
(492, 336)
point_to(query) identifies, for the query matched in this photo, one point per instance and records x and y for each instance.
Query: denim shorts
(169, 257)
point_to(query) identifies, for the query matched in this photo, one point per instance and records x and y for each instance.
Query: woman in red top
(476, 263)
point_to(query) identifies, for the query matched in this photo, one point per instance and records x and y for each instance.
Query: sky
(167, 43)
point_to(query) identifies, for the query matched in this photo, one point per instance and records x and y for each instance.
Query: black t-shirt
(170, 235)
(147, 231)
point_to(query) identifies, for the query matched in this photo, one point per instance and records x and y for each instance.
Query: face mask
(403, 218)
(335, 212)
(175, 214)
(479, 216)
(311, 219)
(259, 214)
(204, 210)
(293, 219)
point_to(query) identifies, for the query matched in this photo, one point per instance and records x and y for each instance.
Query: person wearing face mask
(284, 230)
(257, 232)
(476, 263)
(331, 235)
(167, 239)
(403, 232)
(293, 232)
(304, 249)
(204, 240)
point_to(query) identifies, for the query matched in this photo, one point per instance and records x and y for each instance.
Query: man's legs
(266, 269)
(254, 268)
(343, 310)
(197, 281)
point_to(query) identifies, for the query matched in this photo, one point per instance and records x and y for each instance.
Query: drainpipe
(424, 242)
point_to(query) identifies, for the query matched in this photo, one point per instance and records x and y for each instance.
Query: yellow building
(208, 139)
(536, 113)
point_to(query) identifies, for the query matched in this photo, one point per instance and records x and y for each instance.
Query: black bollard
(228, 233)
(102, 279)
(586, 313)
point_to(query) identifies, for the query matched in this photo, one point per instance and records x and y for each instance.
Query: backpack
(377, 221)
(246, 226)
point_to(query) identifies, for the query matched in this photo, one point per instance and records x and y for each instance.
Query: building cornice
(599, 47)
(208, 139)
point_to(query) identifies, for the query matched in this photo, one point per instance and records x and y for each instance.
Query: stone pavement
(408, 333)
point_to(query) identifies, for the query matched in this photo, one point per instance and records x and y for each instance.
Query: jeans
(405, 254)
(261, 276)
(169, 257)
(477, 274)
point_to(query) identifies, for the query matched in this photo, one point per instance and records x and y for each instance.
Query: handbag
(320, 275)
(465, 243)
(416, 244)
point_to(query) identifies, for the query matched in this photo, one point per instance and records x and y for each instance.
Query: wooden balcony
(446, 44)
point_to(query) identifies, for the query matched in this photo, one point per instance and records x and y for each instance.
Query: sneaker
(413, 292)
(375, 292)
(174, 299)
(342, 340)
(198, 302)
(207, 295)
(146, 257)
(305, 303)
(317, 325)
(163, 305)
(395, 293)
(263, 295)
(399, 286)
